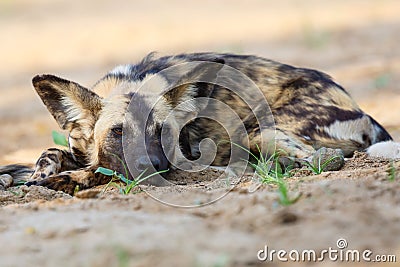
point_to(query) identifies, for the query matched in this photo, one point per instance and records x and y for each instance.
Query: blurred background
(355, 41)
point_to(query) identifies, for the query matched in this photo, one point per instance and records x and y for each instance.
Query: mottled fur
(309, 110)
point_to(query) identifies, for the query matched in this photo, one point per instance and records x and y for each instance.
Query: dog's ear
(70, 103)
(199, 81)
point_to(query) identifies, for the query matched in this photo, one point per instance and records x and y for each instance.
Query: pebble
(89, 193)
(324, 154)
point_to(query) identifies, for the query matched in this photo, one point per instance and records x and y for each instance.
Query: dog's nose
(145, 162)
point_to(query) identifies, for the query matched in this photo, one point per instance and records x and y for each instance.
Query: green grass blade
(122, 178)
(105, 171)
(327, 162)
(246, 150)
(123, 164)
(149, 176)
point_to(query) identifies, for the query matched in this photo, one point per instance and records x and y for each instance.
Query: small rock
(286, 217)
(30, 230)
(334, 156)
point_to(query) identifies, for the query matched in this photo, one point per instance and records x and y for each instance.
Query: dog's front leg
(68, 181)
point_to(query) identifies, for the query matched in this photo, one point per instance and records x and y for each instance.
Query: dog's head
(104, 129)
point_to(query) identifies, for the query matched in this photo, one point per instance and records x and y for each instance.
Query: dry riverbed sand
(355, 41)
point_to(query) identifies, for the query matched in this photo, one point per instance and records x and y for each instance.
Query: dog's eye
(117, 130)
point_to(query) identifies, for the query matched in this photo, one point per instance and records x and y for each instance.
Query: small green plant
(319, 167)
(122, 256)
(392, 172)
(19, 183)
(59, 138)
(119, 177)
(270, 172)
(16, 193)
(129, 184)
(76, 190)
(382, 81)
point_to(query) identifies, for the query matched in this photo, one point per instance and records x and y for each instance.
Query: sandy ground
(354, 41)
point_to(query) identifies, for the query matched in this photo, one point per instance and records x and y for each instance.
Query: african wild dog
(310, 111)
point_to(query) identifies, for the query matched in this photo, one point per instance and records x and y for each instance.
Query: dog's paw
(387, 150)
(47, 165)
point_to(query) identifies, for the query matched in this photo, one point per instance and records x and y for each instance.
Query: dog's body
(309, 111)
